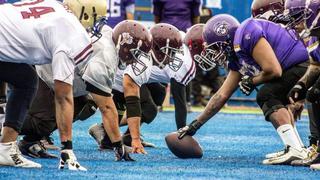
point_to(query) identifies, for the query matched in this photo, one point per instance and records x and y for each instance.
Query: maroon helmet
(267, 8)
(166, 42)
(194, 41)
(133, 43)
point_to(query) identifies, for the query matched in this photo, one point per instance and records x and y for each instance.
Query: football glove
(298, 92)
(246, 85)
(122, 153)
(190, 129)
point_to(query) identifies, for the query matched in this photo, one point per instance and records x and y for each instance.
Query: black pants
(150, 96)
(40, 120)
(24, 82)
(273, 95)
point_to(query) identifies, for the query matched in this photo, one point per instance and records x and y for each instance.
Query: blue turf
(234, 146)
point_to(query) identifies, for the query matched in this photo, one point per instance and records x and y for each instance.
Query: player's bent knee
(149, 113)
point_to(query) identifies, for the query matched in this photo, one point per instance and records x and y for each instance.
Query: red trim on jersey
(189, 73)
(19, 4)
(83, 54)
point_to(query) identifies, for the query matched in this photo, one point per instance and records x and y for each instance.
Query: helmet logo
(221, 29)
(126, 38)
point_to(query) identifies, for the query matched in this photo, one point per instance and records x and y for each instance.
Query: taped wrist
(195, 124)
(133, 106)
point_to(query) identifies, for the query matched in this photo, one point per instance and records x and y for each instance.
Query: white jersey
(32, 32)
(101, 70)
(138, 79)
(184, 74)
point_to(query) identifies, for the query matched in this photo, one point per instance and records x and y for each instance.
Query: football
(187, 147)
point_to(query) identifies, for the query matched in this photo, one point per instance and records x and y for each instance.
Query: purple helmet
(306, 11)
(218, 35)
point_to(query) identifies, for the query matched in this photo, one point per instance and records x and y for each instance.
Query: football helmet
(133, 42)
(195, 43)
(87, 11)
(266, 8)
(166, 43)
(303, 11)
(218, 35)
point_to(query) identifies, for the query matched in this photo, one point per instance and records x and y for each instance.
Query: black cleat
(35, 150)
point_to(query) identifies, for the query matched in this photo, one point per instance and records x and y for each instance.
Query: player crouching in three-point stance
(34, 33)
(256, 52)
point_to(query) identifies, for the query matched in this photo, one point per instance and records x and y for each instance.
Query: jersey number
(114, 8)
(36, 12)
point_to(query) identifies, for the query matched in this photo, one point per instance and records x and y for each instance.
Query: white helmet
(87, 11)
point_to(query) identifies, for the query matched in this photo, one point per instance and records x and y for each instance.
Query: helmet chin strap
(307, 31)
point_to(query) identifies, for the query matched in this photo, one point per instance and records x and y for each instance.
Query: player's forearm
(64, 115)
(134, 127)
(265, 76)
(216, 102)
(311, 75)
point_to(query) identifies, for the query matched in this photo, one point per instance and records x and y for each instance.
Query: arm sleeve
(63, 68)
(178, 92)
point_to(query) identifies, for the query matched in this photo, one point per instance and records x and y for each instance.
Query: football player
(131, 43)
(30, 34)
(304, 17)
(253, 53)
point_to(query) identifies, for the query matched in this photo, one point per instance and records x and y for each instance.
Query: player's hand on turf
(298, 92)
(137, 147)
(190, 130)
(246, 85)
(122, 153)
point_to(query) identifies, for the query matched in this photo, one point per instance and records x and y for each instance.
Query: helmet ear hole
(85, 16)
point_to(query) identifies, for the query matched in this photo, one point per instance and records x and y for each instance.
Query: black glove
(246, 85)
(190, 129)
(313, 94)
(298, 92)
(122, 152)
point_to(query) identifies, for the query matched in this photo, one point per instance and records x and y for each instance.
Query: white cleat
(315, 166)
(275, 154)
(290, 154)
(68, 159)
(10, 155)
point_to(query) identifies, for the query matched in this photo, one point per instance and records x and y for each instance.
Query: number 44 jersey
(32, 32)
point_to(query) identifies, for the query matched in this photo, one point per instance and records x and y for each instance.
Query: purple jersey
(117, 11)
(3, 1)
(287, 48)
(314, 49)
(178, 13)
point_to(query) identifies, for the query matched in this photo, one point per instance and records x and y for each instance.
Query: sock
(106, 141)
(298, 136)
(288, 136)
(66, 145)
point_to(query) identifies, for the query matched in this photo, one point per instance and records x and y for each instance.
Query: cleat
(69, 159)
(34, 149)
(275, 154)
(11, 156)
(290, 154)
(122, 153)
(126, 139)
(48, 143)
(313, 158)
(98, 133)
(315, 166)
